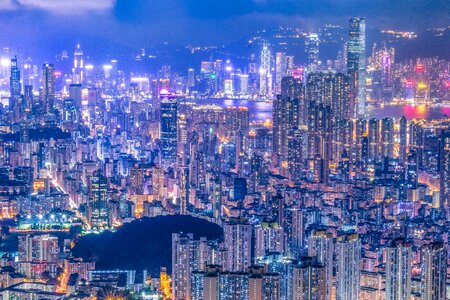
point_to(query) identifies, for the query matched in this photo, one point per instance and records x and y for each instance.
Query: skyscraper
(398, 270)
(48, 87)
(14, 83)
(280, 69)
(181, 266)
(434, 271)
(286, 109)
(374, 140)
(312, 49)
(191, 78)
(387, 137)
(168, 123)
(321, 245)
(264, 71)
(78, 66)
(412, 171)
(98, 187)
(348, 266)
(238, 242)
(356, 63)
(444, 167)
(403, 139)
(417, 140)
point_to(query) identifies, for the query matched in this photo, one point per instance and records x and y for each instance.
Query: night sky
(141, 23)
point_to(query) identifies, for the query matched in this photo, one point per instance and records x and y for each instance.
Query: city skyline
(300, 162)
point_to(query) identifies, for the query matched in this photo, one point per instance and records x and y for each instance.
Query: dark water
(261, 111)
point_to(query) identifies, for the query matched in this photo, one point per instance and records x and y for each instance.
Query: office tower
(444, 168)
(98, 187)
(321, 246)
(417, 141)
(48, 87)
(340, 92)
(265, 71)
(244, 87)
(78, 66)
(296, 152)
(403, 139)
(182, 134)
(168, 126)
(14, 84)
(228, 87)
(387, 137)
(181, 266)
(286, 109)
(398, 270)
(280, 69)
(240, 188)
(75, 93)
(28, 97)
(412, 171)
(308, 280)
(360, 133)
(238, 242)
(312, 49)
(374, 140)
(348, 266)
(356, 63)
(434, 272)
(319, 140)
(191, 78)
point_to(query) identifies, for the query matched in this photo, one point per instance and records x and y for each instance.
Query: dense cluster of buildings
(321, 201)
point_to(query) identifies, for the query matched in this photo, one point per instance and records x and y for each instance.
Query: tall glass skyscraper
(356, 62)
(312, 49)
(48, 86)
(444, 166)
(168, 123)
(15, 79)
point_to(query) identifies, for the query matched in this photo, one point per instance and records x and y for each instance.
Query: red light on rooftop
(419, 68)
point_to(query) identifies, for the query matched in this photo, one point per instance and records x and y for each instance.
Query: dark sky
(140, 23)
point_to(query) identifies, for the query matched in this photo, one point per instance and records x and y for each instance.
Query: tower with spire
(78, 65)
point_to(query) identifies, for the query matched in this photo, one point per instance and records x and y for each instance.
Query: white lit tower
(265, 77)
(398, 270)
(280, 69)
(434, 271)
(348, 251)
(78, 65)
(312, 49)
(356, 63)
